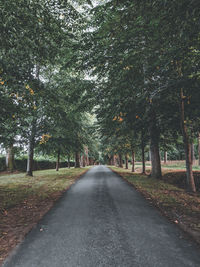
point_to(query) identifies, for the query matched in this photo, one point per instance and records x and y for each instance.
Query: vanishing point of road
(102, 221)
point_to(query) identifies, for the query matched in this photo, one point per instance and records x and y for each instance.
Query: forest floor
(24, 201)
(170, 197)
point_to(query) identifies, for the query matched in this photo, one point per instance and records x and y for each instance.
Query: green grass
(177, 165)
(15, 188)
(143, 181)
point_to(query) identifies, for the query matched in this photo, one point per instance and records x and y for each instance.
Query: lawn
(15, 188)
(181, 207)
(24, 201)
(175, 164)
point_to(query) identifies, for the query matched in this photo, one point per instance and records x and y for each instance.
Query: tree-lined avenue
(102, 221)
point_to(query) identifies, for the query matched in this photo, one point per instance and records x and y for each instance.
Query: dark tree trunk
(58, 160)
(133, 161)
(31, 145)
(120, 161)
(193, 153)
(154, 146)
(126, 159)
(199, 147)
(37, 72)
(165, 157)
(143, 158)
(10, 158)
(91, 161)
(188, 155)
(112, 160)
(77, 160)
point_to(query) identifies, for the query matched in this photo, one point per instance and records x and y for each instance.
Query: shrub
(20, 164)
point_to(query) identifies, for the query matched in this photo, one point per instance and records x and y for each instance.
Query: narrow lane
(102, 221)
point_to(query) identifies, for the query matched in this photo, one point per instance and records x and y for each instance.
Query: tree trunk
(188, 155)
(31, 145)
(83, 160)
(77, 160)
(80, 160)
(86, 156)
(143, 159)
(199, 147)
(29, 170)
(126, 159)
(180, 155)
(165, 157)
(37, 71)
(149, 155)
(154, 146)
(192, 153)
(120, 161)
(58, 161)
(91, 161)
(133, 161)
(109, 160)
(115, 160)
(10, 158)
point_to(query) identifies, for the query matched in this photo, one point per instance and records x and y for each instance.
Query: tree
(130, 62)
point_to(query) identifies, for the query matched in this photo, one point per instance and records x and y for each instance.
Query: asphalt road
(102, 221)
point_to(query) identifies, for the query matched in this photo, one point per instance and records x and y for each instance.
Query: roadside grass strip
(24, 200)
(180, 206)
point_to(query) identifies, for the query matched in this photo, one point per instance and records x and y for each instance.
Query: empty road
(102, 221)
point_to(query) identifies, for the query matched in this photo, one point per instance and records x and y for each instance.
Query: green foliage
(44, 97)
(143, 53)
(20, 164)
(122, 60)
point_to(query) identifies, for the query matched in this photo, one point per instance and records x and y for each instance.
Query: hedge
(20, 164)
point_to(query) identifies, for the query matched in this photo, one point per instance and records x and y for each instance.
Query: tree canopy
(132, 64)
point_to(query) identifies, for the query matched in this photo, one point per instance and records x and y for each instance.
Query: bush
(20, 164)
(2, 164)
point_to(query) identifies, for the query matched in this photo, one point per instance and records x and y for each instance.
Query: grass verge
(179, 206)
(24, 201)
(171, 165)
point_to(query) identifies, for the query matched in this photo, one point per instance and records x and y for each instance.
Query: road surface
(102, 221)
